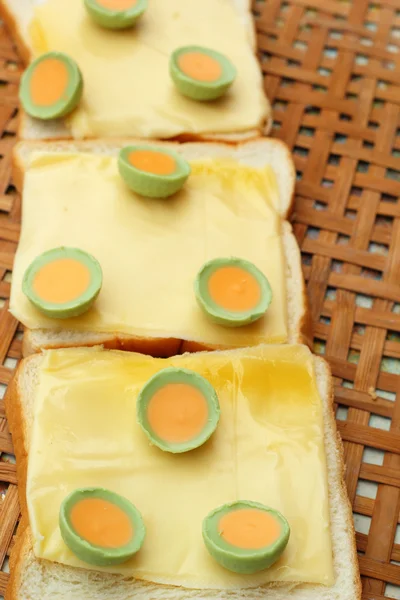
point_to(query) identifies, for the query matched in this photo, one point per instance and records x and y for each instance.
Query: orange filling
(249, 528)
(233, 288)
(200, 66)
(177, 412)
(49, 82)
(61, 280)
(149, 161)
(101, 523)
(117, 4)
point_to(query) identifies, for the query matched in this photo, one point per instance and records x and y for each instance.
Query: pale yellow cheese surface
(128, 90)
(151, 250)
(268, 447)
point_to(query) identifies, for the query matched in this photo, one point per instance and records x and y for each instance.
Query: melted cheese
(128, 90)
(268, 448)
(150, 251)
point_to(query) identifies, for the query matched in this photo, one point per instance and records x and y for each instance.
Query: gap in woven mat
(370, 273)
(362, 523)
(330, 293)
(324, 320)
(393, 174)
(300, 45)
(330, 52)
(379, 422)
(368, 145)
(342, 413)
(359, 329)
(362, 166)
(340, 138)
(353, 356)
(10, 363)
(384, 221)
(327, 183)
(304, 152)
(342, 239)
(307, 131)
(319, 346)
(389, 198)
(372, 456)
(312, 110)
(392, 592)
(318, 205)
(391, 396)
(312, 232)
(367, 489)
(334, 159)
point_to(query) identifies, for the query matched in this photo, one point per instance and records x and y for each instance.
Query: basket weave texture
(332, 73)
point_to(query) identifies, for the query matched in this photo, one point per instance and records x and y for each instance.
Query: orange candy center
(233, 288)
(200, 66)
(61, 280)
(101, 523)
(48, 82)
(117, 4)
(249, 528)
(149, 161)
(177, 412)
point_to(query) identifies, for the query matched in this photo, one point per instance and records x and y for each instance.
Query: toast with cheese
(256, 154)
(36, 578)
(160, 112)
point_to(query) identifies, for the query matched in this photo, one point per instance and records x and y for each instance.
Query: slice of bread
(17, 17)
(256, 153)
(36, 579)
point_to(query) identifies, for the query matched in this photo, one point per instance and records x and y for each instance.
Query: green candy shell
(240, 560)
(66, 104)
(115, 19)
(202, 90)
(175, 375)
(97, 555)
(216, 313)
(152, 185)
(74, 307)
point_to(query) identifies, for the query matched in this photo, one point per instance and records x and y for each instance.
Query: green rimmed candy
(245, 537)
(201, 73)
(115, 14)
(178, 410)
(151, 171)
(232, 292)
(101, 527)
(63, 282)
(51, 86)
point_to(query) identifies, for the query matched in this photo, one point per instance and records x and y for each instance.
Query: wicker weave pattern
(332, 72)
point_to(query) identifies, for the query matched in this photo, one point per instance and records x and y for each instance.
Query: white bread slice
(34, 579)
(18, 15)
(257, 153)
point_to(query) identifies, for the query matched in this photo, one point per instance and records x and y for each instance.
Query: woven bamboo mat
(332, 72)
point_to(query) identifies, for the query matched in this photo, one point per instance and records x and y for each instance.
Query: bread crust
(14, 413)
(18, 428)
(330, 425)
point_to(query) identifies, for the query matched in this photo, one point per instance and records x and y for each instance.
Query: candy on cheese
(151, 251)
(128, 88)
(267, 448)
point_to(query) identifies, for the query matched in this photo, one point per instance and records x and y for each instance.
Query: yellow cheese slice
(268, 447)
(128, 90)
(151, 250)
